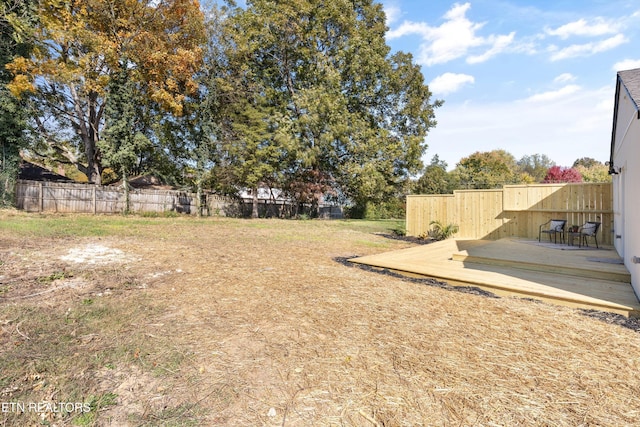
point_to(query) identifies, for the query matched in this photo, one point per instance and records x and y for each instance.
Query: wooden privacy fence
(514, 210)
(39, 196)
(45, 196)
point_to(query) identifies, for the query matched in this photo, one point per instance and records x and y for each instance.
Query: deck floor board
(587, 278)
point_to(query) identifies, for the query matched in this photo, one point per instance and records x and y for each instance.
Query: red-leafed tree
(559, 174)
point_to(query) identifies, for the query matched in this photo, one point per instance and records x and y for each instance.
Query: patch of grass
(53, 226)
(58, 350)
(371, 244)
(58, 275)
(169, 362)
(163, 214)
(147, 224)
(372, 226)
(179, 416)
(96, 404)
(78, 225)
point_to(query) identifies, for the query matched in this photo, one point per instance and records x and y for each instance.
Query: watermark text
(44, 407)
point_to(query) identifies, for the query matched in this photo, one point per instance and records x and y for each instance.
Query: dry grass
(233, 322)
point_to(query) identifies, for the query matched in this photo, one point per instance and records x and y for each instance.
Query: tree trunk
(199, 201)
(254, 210)
(88, 132)
(125, 184)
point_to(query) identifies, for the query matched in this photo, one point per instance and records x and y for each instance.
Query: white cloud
(392, 11)
(627, 64)
(581, 27)
(408, 28)
(565, 128)
(452, 39)
(449, 83)
(564, 78)
(587, 49)
(554, 94)
(499, 44)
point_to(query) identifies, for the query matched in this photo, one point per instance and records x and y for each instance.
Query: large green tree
(16, 18)
(435, 179)
(80, 44)
(123, 139)
(592, 170)
(341, 113)
(535, 165)
(232, 126)
(485, 170)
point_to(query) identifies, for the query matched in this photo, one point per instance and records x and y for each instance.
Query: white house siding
(626, 184)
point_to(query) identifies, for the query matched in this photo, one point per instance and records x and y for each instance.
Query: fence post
(95, 208)
(41, 201)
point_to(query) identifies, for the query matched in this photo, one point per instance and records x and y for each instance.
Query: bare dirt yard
(135, 321)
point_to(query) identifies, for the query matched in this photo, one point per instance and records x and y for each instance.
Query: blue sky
(529, 77)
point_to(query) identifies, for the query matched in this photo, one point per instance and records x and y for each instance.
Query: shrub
(439, 231)
(399, 231)
(109, 176)
(390, 209)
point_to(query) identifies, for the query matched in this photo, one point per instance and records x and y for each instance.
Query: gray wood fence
(43, 196)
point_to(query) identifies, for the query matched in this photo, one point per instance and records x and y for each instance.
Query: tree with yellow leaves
(79, 48)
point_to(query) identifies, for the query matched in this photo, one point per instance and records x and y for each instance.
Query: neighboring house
(624, 166)
(273, 202)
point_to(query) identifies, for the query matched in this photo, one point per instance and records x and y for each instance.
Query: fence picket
(514, 210)
(42, 196)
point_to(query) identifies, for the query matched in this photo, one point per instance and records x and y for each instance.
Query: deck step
(595, 272)
(545, 277)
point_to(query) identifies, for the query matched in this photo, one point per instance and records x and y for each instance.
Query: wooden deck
(587, 278)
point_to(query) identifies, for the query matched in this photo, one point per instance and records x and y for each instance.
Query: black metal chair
(555, 227)
(589, 229)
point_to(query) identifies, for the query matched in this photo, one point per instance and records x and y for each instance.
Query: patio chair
(555, 227)
(589, 229)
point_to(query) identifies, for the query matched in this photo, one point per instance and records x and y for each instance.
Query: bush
(391, 209)
(109, 176)
(441, 232)
(73, 173)
(400, 231)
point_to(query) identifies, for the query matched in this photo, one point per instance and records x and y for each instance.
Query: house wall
(626, 200)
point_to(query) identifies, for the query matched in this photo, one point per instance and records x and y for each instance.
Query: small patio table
(572, 235)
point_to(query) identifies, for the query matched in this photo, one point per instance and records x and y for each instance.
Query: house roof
(628, 81)
(147, 182)
(33, 172)
(631, 81)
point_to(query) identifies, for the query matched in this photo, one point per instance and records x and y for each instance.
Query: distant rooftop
(34, 172)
